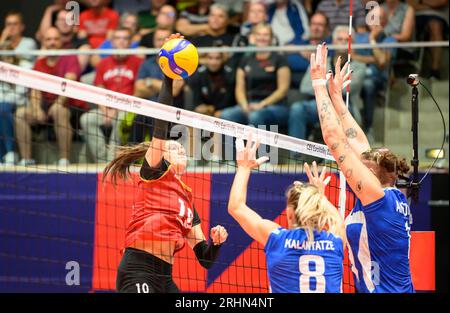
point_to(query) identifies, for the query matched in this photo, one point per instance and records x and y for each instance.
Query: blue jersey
(295, 264)
(379, 237)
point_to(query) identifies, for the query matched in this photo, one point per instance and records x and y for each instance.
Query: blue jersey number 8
(306, 274)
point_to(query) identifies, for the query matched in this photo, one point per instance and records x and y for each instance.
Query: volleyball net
(63, 228)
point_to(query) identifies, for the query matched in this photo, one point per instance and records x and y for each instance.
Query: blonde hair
(261, 25)
(313, 211)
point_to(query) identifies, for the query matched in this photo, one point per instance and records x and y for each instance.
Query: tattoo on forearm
(325, 105)
(341, 159)
(351, 133)
(359, 186)
(324, 116)
(344, 112)
(349, 173)
(334, 146)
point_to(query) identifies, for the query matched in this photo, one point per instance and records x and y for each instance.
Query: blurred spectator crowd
(262, 88)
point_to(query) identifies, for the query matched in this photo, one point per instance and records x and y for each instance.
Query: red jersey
(98, 25)
(64, 65)
(118, 75)
(163, 211)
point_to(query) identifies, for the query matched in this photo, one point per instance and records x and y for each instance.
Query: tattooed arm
(360, 178)
(355, 135)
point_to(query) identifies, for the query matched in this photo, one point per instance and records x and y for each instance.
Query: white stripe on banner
(72, 89)
(293, 48)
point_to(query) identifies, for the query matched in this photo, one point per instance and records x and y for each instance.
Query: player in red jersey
(164, 215)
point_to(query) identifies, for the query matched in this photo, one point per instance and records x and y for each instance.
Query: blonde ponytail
(313, 211)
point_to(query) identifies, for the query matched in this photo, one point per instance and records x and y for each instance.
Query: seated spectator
(299, 62)
(432, 24)
(400, 20)
(211, 85)
(256, 14)
(130, 21)
(127, 20)
(116, 73)
(97, 23)
(68, 32)
(303, 116)
(166, 19)
(69, 36)
(12, 35)
(377, 61)
(11, 98)
(289, 22)
(220, 33)
(147, 18)
(45, 106)
(147, 86)
(194, 20)
(50, 16)
(338, 12)
(262, 82)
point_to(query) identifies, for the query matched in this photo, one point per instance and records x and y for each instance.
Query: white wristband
(319, 82)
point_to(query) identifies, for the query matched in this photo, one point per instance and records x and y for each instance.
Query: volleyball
(178, 58)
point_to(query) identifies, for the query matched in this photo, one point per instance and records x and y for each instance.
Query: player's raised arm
(355, 135)
(363, 182)
(253, 224)
(155, 152)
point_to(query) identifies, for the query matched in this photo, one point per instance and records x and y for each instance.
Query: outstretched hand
(318, 62)
(315, 179)
(340, 79)
(246, 155)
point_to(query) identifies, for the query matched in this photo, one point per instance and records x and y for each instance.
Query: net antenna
(342, 180)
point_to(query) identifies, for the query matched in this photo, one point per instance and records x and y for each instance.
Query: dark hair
(126, 156)
(391, 166)
(15, 13)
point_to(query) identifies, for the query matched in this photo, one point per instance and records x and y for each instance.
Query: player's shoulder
(295, 233)
(278, 231)
(394, 194)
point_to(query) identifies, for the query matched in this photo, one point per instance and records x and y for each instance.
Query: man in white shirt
(12, 33)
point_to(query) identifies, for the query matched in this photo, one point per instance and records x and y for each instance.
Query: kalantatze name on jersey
(309, 245)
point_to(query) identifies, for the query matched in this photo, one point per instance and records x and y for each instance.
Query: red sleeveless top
(163, 211)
